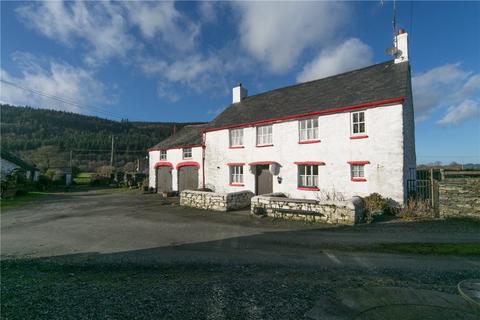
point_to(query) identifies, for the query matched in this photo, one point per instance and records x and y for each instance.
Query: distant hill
(46, 137)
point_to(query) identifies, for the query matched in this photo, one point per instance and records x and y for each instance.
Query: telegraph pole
(111, 152)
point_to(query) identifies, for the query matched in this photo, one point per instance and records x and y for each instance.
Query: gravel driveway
(129, 225)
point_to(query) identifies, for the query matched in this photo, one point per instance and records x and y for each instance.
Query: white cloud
(442, 87)
(467, 110)
(207, 12)
(55, 79)
(162, 18)
(349, 55)
(100, 25)
(276, 33)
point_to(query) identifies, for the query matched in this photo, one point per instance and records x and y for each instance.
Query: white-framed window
(308, 176)
(308, 129)
(236, 137)
(265, 135)
(187, 153)
(163, 154)
(236, 174)
(357, 171)
(358, 123)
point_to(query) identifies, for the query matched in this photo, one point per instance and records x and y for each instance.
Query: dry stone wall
(215, 201)
(337, 212)
(459, 197)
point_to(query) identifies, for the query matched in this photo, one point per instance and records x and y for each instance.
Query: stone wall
(459, 197)
(338, 212)
(215, 201)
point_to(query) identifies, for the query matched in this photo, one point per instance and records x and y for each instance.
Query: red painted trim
(358, 162)
(308, 188)
(308, 141)
(371, 104)
(236, 164)
(179, 147)
(236, 147)
(264, 145)
(358, 179)
(312, 163)
(261, 162)
(163, 164)
(236, 184)
(358, 137)
(187, 163)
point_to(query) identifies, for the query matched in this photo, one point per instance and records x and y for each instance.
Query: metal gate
(424, 186)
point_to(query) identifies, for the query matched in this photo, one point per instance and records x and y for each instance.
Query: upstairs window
(236, 137)
(358, 123)
(357, 171)
(308, 176)
(265, 135)
(308, 129)
(187, 153)
(236, 174)
(163, 154)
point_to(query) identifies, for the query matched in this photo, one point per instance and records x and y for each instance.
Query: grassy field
(8, 203)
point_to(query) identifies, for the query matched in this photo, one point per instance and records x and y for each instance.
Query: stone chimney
(401, 41)
(238, 93)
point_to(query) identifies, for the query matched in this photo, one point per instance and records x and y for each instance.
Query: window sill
(236, 147)
(264, 145)
(236, 184)
(358, 179)
(187, 158)
(358, 137)
(308, 141)
(308, 188)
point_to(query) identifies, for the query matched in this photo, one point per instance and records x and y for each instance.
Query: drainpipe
(203, 159)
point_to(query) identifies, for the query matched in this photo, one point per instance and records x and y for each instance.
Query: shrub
(375, 204)
(415, 208)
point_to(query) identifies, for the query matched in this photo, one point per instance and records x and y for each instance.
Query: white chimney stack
(238, 93)
(401, 41)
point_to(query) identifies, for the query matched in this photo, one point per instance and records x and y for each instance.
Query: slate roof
(381, 81)
(187, 136)
(16, 160)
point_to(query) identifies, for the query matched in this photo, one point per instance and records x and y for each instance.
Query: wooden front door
(263, 180)
(164, 179)
(187, 178)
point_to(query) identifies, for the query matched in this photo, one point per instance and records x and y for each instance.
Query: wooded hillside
(46, 137)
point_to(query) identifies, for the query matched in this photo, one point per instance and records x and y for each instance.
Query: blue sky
(165, 61)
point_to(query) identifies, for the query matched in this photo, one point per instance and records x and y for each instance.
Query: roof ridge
(321, 79)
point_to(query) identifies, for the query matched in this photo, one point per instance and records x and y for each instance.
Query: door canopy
(273, 166)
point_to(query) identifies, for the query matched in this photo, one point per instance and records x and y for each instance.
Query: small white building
(347, 135)
(176, 163)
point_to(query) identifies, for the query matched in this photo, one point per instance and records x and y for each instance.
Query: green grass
(461, 249)
(15, 201)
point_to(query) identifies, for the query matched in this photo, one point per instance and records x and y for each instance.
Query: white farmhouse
(350, 134)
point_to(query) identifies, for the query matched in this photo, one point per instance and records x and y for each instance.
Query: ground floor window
(236, 174)
(308, 176)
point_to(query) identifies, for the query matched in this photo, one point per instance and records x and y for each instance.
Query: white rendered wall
(383, 148)
(174, 156)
